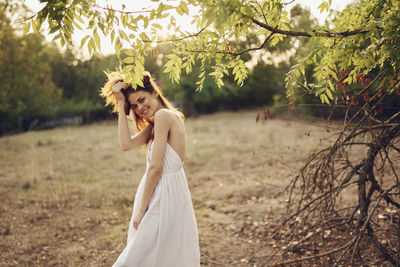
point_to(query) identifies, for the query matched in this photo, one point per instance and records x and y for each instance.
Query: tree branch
(176, 39)
(395, 148)
(262, 12)
(311, 257)
(241, 52)
(391, 118)
(261, 24)
(121, 11)
(306, 34)
(255, 48)
(287, 3)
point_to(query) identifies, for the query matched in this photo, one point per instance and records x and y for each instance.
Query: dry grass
(66, 194)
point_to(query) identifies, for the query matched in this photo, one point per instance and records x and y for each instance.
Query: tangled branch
(345, 190)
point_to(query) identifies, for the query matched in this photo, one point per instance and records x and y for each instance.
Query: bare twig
(393, 117)
(328, 172)
(121, 11)
(262, 11)
(176, 39)
(310, 257)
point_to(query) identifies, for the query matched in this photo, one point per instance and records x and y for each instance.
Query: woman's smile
(144, 111)
(143, 103)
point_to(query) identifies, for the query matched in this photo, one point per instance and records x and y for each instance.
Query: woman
(163, 230)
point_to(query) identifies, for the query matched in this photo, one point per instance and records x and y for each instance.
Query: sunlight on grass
(67, 193)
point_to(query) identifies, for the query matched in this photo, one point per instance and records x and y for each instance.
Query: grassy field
(66, 194)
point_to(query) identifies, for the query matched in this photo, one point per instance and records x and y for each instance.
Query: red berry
(366, 97)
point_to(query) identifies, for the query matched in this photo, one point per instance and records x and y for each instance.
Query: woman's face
(143, 103)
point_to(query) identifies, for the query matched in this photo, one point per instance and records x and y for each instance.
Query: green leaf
(168, 69)
(145, 22)
(118, 46)
(124, 36)
(78, 18)
(127, 68)
(179, 10)
(156, 25)
(92, 44)
(163, 16)
(35, 26)
(77, 25)
(62, 41)
(27, 27)
(124, 19)
(320, 91)
(83, 41)
(302, 69)
(184, 8)
(138, 69)
(248, 10)
(138, 80)
(166, 7)
(58, 36)
(329, 93)
(128, 60)
(96, 38)
(129, 52)
(323, 6)
(323, 98)
(331, 86)
(144, 36)
(91, 23)
(128, 79)
(112, 35)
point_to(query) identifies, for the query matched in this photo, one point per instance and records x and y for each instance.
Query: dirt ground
(66, 194)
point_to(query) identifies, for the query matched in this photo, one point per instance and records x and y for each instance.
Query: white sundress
(167, 235)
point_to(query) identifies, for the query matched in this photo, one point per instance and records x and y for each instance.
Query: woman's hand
(137, 219)
(117, 87)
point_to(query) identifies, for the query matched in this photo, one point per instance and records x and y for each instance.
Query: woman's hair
(149, 86)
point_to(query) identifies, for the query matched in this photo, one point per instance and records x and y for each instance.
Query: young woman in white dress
(163, 230)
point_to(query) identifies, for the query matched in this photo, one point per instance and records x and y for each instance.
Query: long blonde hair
(149, 86)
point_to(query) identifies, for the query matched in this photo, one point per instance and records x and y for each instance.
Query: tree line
(39, 81)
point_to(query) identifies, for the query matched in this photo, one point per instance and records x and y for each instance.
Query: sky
(107, 47)
(313, 6)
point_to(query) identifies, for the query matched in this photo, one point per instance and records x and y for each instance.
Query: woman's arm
(162, 123)
(125, 140)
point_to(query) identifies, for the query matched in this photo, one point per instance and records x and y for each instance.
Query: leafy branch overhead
(362, 38)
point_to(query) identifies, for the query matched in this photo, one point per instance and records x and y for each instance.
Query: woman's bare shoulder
(166, 114)
(162, 114)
